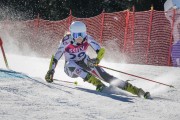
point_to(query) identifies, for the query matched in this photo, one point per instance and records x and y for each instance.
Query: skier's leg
(95, 81)
(124, 85)
(73, 70)
(103, 75)
(135, 90)
(96, 71)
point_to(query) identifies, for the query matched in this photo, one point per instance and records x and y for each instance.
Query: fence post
(126, 31)
(102, 27)
(149, 33)
(36, 25)
(69, 19)
(4, 56)
(171, 37)
(133, 23)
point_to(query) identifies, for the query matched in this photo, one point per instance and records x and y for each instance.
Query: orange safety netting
(134, 37)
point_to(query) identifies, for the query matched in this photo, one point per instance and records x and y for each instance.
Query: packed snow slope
(25, 95)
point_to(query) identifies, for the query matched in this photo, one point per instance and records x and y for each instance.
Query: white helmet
(78, 29)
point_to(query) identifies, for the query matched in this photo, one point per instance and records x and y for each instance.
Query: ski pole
(4, 56)
(136, 76)
(66, 81)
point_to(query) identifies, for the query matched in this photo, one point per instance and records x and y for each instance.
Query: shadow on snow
(119, 98)
(18, 75)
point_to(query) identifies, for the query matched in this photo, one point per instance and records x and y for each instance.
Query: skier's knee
(95, 81)
(70, 72)
(92, 79)
(88, 76)
(118, 83)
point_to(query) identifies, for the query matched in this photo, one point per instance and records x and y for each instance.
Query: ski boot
(96, 82)
(143, 94)
(136, 91)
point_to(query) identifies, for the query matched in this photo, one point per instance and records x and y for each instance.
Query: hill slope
(24, 94)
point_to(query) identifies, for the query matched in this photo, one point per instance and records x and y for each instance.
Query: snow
(27, 96)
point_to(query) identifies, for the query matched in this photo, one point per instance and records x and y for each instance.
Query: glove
(49, 76)
(95, 61)
(92, 62)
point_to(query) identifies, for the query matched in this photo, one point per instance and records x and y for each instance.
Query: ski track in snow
(25, 95)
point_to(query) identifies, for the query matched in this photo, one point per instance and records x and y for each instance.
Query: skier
(79, 64)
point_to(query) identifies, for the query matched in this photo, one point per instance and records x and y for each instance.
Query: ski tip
(171, 86)
(147, 95)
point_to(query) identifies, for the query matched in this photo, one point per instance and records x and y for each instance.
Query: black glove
(49, 76)
(92, 62)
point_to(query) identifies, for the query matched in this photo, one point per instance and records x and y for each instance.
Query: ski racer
(79, 64)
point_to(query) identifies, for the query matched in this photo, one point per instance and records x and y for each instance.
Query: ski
(75, 82)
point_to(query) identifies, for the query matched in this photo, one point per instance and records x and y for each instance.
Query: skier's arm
(57, 55)
(65, 41)
(53, 63)
(100, 51)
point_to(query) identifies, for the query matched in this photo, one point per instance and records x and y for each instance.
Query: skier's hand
(49, 76)
(93, 62)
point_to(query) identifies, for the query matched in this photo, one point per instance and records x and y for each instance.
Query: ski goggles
(77, 35)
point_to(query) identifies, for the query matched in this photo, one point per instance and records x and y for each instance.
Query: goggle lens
(77, 35)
